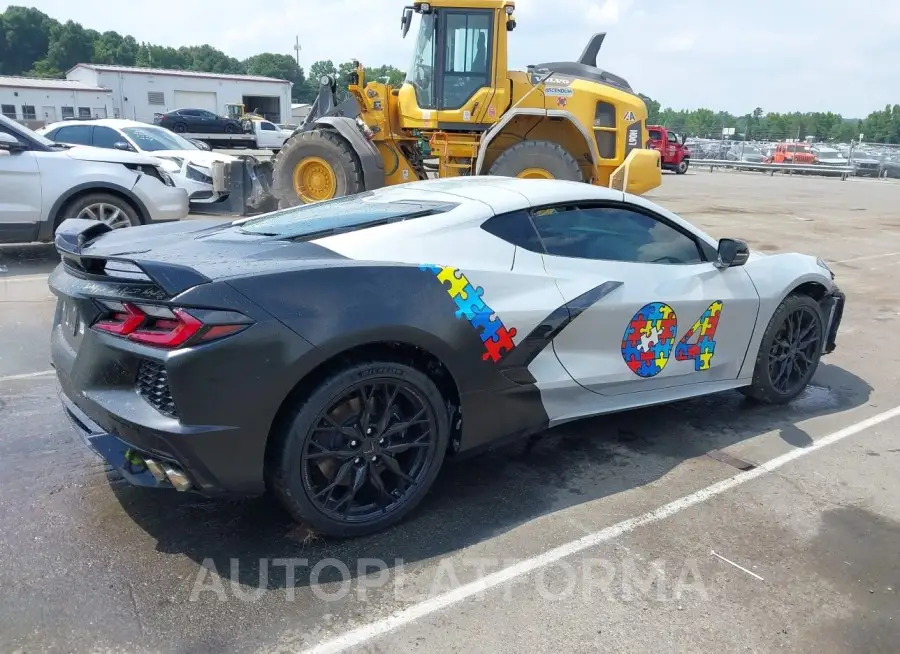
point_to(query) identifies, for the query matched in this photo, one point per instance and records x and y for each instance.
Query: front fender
(369, 158)
(776, 276)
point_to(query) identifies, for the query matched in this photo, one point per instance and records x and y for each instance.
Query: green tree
(280, 66)
(70, 44)
(24, 38)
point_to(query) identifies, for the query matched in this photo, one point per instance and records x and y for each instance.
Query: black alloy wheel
(363, 450)
(789, 352)
(795, 350)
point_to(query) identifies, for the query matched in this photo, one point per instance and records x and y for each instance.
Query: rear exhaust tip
(155, 469)
(178, 479)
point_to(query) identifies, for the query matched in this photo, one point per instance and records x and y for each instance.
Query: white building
(138, 93)
(39, 102)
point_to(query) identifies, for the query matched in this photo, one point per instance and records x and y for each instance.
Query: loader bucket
(640, 172)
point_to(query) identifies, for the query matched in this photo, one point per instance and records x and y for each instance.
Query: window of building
(156, 97)
(9, 110)
(28, 112)
(68, 113)
(84, 112)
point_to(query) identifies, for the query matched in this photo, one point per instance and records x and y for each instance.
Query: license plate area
(70, 321)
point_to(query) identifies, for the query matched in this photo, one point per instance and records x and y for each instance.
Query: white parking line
(28, 375)
(408, 615)
(870, 256)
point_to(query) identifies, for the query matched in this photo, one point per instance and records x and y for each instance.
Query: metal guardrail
(772, 168)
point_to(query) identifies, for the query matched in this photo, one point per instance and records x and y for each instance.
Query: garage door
(196, 100)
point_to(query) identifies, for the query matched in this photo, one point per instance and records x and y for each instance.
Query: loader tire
(315, 166)
(537, 160)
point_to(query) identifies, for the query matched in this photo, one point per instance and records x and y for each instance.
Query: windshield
(828, 152)
(153, 139)
(421, 71)
(20, 130)
(342, 214)
(750, 149)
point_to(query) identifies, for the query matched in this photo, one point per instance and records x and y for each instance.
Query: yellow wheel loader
(461, 106)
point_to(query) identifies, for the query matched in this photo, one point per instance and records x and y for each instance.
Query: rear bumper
(113, 450)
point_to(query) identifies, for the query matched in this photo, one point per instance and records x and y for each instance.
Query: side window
(655, 134)
(467, 56)
(52, 134)
(515, 228)
(267, 127)
(75, 134)
(614, 234)
(104, 137)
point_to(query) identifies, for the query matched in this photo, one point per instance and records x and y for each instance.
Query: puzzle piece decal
(647, 344)
(704, 329)
(470, 305)
(499, 344)
(648, 339)
(469, 302)
(457, 280)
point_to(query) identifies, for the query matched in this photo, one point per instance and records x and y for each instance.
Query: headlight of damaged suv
(198, 174)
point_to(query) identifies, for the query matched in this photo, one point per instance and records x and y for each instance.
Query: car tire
(537, 159)
(180, 128)
(297, 482)
(763, 387)
(328, 150)
(231, 129)
(118, 212)
(682, 167)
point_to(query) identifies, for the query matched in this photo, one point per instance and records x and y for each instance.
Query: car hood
(837, 161)
(88, 153)
(199, 157)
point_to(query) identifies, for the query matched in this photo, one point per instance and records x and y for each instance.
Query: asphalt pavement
(708, 525)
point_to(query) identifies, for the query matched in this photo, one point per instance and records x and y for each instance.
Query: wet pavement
(809, 560)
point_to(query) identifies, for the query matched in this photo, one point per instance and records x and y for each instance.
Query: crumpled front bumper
(833, 310)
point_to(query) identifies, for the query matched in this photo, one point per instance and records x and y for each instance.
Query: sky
(732, 55)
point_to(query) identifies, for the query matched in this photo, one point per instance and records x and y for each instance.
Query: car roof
(510, 193)
(116, 123)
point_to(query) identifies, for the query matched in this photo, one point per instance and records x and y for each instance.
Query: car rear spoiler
(74, 238)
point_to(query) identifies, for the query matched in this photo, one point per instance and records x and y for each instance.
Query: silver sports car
(336, 352)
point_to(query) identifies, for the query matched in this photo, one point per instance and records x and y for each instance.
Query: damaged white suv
(42, 183)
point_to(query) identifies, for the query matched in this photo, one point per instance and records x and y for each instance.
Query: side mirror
(10, 143)
(732, 252)
(405, 21)
(122, 145)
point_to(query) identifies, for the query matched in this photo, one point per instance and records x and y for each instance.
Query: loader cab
(456, 80)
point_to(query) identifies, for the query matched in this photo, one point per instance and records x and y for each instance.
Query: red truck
(674, 154)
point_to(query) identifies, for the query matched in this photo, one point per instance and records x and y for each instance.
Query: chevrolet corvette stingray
(335, 353)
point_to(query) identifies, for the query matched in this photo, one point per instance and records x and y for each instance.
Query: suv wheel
(107, 208)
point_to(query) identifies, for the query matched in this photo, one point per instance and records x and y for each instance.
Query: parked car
(197, 121)
(189, 166)
(746, 153)
(336, 352)
(829, 156)
(43, 182)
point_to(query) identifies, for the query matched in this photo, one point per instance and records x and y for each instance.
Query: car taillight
(166, 327)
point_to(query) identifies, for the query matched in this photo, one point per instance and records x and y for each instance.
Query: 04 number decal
(650, 336)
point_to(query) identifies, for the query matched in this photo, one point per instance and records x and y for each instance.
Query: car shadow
(476, 499)
(31, 259)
